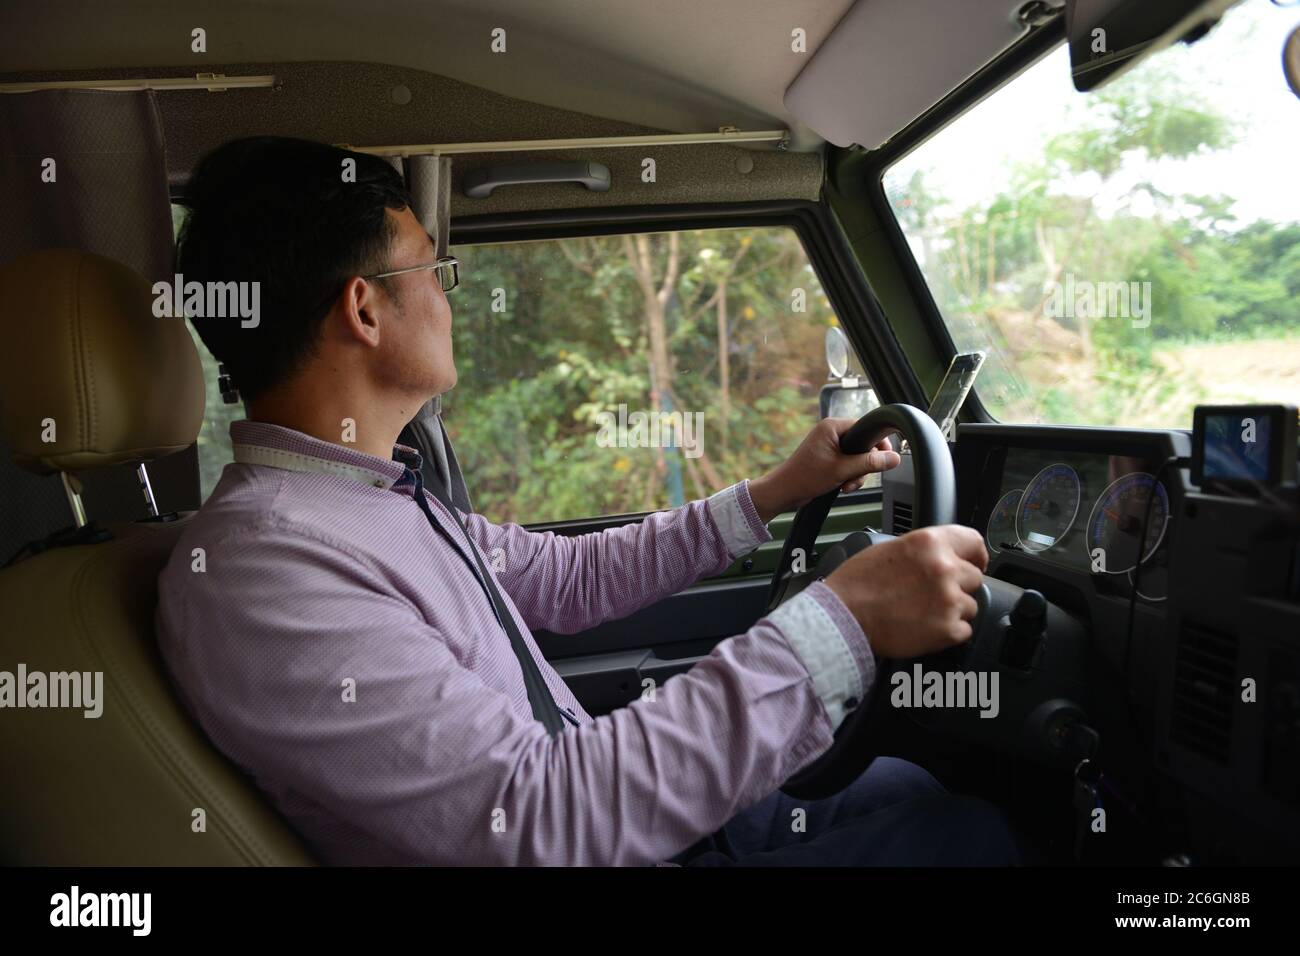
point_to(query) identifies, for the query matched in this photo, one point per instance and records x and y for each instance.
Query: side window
(214, 437)
(618, 374)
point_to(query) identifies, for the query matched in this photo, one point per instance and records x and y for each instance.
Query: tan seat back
(139, 784)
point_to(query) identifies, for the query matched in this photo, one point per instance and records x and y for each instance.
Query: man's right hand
(912, 595)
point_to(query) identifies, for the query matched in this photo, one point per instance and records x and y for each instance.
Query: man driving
(363, 648)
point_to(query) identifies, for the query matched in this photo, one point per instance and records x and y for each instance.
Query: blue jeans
(894, 814)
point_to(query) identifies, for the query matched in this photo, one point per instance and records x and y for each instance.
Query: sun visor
(888, 61)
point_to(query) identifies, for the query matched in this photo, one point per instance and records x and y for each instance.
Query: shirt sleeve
(567, 584)
(832, 647)
(329, 688)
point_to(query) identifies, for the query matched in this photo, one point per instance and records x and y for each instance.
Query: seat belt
(540, 699)
(427, 435)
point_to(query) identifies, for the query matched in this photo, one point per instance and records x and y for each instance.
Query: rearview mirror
(1291, 61)
(1107, 37)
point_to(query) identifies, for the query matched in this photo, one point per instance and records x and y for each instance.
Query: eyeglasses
(447, 269)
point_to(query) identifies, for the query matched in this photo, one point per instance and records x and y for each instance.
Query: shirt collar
(261, 443)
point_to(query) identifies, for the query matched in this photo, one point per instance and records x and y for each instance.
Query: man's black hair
(280, 212)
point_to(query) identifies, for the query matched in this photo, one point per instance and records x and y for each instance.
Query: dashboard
(1190, 597)
(1097, 512)
(1090, 501)
(1096, 502)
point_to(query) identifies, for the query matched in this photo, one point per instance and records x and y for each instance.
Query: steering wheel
(857, 737)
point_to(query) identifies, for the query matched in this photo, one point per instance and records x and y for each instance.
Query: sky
(1238, 67)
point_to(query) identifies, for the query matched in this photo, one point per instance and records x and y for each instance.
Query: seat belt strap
(545, 709)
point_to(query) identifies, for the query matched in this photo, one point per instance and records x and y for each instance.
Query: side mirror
(850, 396)
(840, 400)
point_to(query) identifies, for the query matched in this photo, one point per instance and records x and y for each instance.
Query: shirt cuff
(737, 519)
(832, 646)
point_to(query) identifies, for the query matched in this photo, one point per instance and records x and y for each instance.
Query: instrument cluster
(1105, 514)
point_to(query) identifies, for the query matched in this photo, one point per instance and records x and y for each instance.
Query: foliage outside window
(725, 327)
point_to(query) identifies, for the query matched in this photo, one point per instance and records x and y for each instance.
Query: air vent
(1205, 677)
(902, 517)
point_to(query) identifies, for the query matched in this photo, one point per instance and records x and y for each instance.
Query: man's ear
(362, 306)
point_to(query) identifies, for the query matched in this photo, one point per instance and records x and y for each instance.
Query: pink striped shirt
(331, 644)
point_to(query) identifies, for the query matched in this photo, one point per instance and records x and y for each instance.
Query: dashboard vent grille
(1205, 676)
(902, 517)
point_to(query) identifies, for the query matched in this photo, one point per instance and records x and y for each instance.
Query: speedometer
(1048, 507)
(1115, 524)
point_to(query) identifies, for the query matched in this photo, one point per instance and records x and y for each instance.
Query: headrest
(89, 376)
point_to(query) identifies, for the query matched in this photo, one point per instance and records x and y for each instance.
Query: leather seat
(127, 787)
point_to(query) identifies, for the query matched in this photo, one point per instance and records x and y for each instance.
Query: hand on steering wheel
(817, 466)
(929, 604)
(945, 565)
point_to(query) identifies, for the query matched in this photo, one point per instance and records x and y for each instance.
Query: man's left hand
(816, 467)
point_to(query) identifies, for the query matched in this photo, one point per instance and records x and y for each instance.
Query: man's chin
(445, 383)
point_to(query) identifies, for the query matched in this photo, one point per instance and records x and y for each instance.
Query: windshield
(1126, 254)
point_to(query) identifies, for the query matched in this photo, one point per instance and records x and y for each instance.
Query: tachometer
(1001, 531)
(1048, 507)
(1116, 523)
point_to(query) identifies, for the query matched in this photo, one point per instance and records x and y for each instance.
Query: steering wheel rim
(933, 477)
(935, 502)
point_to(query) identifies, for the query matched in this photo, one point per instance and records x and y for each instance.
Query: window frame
(856, 306)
